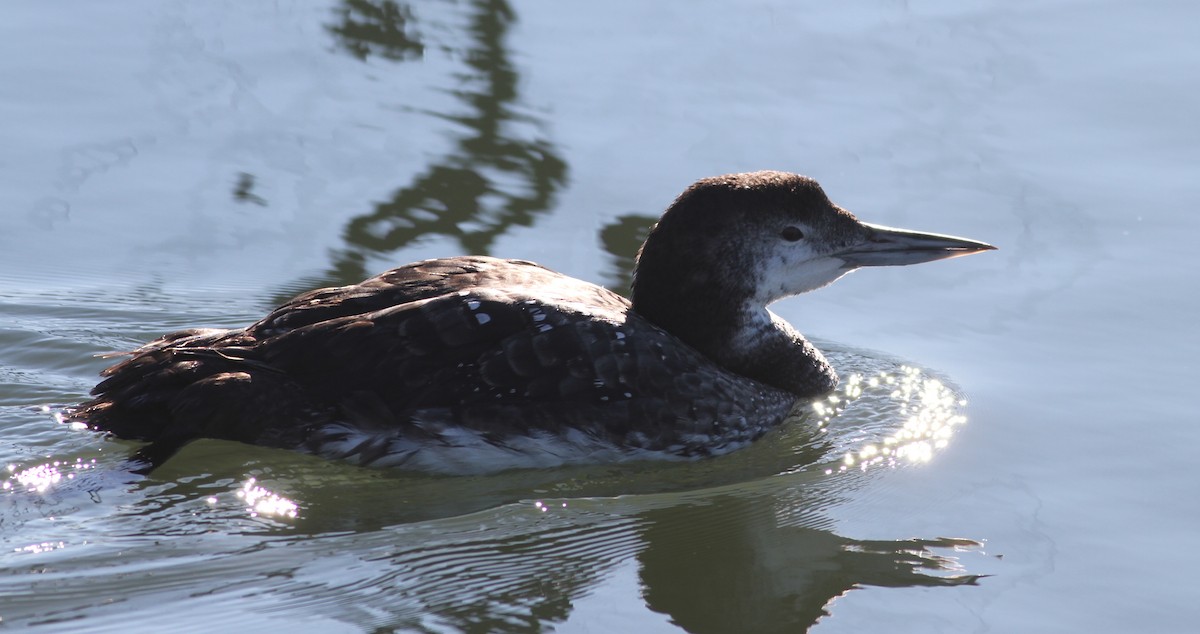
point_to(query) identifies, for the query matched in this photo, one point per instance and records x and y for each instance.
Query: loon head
(729, 246)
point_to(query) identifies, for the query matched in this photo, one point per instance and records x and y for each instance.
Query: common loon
(475, 364)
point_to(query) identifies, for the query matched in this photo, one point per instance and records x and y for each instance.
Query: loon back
(469, 352)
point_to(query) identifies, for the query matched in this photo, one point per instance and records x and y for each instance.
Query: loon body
(475, 364)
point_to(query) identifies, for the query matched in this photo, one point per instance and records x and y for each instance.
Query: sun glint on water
(930, 412)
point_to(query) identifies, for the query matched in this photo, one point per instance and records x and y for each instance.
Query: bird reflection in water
(744, 542)
(741, 572)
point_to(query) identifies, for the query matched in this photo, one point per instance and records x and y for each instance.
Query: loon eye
(792, 234)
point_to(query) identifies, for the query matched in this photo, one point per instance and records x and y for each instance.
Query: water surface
(169, 165)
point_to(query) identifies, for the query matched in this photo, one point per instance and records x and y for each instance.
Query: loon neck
(768, 349)
(737, 333)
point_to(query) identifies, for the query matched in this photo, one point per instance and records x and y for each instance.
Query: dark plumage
(431, 363)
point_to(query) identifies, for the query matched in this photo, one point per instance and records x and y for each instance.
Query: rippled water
(1013, 450)
(260, 533)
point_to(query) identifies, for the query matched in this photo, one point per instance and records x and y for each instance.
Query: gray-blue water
(1015, 448)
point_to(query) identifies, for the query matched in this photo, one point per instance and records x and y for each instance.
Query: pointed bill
(888, 246)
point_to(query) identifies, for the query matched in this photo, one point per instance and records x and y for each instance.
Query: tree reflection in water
(501, 173)
(622, 238)
(386, 29)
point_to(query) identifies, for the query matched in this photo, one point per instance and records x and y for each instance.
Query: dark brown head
(731, 245)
